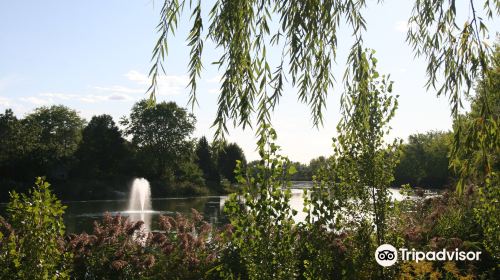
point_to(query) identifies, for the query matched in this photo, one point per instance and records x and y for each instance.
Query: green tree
(227, 156)
(263, 222)
(424, 160)
(303, 172)
(206, 161)
(161, 134)
(316, 163)
(15, 146)
(58, 132)
(103, 152)
(476, 153)
(16, 142)
(9, 134)
(351, 190)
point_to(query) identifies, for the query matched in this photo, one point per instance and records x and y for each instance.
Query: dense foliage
(450, 35)
(94, 160)
(350, 194)
(349, 212)
(32, 245)
(424, 161)
(263, 240)
(476, 154)
(260, 212)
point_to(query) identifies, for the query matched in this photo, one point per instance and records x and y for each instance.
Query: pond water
(80, 215)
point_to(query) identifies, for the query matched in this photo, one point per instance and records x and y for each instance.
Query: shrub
(264, 234)
(32, 245)
(182, 248)
(111, 252)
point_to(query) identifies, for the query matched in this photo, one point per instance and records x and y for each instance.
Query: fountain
(139, 205)
(140, 195)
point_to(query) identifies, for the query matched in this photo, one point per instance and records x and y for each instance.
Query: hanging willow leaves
(457, 54)
(305, 32)
(246, 31)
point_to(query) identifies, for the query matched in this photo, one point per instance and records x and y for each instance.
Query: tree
(424, 160)
(260, 212)
(356, 178)
(476, 152)
(13, 146)
(303, 172)
(227, 157)
(316, 163)
(16, 144)
(305, 34)
(57, 134)
(9, 130)
(206, 161)
(161, 134)
(102, 152)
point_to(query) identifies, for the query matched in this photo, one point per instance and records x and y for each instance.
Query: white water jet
(139, 204)
(140, 196)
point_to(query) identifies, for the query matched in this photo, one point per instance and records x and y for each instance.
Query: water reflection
(146, 216)
(80, 215)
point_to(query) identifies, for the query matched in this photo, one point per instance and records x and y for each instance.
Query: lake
(79, 215)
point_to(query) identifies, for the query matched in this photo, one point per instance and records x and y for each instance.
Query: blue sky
(94, 55)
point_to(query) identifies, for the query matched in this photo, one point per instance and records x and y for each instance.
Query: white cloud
(119, 97)
(120, 89)
(4, 101)
(137, 77)
(91, 99)
(86, 98)
(167, 84)
(36, 100)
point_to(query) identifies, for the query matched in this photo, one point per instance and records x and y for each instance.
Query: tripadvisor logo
(387, 255)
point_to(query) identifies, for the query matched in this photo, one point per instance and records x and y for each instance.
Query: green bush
(32, 245)
(264, 233)
(182, 248)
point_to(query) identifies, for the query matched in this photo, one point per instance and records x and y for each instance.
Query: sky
(94, 56)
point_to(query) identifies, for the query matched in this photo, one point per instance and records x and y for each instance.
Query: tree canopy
(162, 135)
(103, 151)
(227, 156)
(425, 160)
(206, 160)
(95, 160)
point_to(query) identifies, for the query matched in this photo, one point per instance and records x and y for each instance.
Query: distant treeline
(423, 162)
(97, 160)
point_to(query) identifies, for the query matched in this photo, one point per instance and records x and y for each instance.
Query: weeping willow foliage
(305, 34)
(306, 37)
(477, 157)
